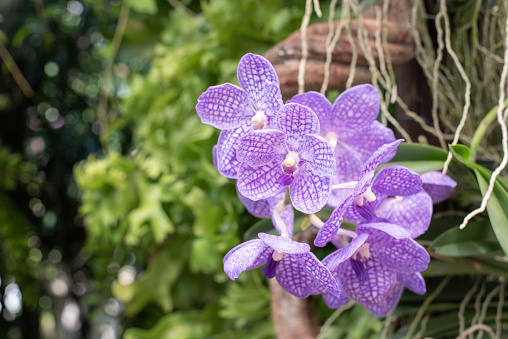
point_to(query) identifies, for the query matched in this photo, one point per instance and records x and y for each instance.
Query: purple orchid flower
(438, 185)
(375, 266)
(296, 269)
(294, 155)
(273, 207)
(236, 111)
(350, 126)
(361, 203)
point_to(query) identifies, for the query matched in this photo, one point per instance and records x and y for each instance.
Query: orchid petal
(296, 121)
(259, 208)
(319, 154)
(397, 180)
(309, 192)
(284, 245)
(329, 229)
(252, 72)
(343, 254)
(376, 286)
(401, 255)
(292, 277)
(315, 268)
(224, 107)
(368, 141)
(390, 229)
(318, 103)
(389, 303)
(270, 102)
(246, 256)
(226, 162)
(438, 185)
(413, 213)
(258, 183)
(414, 282)
(261, 147)
(355, 109)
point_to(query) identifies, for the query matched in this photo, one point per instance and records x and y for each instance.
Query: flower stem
(334, 317)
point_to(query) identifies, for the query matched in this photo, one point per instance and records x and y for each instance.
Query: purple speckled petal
(246, 256)
(252, 72)
(226, 161)
(355, 109)
(348, 167)
(319, 154)
(343, 254)
(397, 180)
(215, 155)
(316, 269)
(438, 185)
(224, 107)
(261, 147)
(319, 104)
(292, 277)
(296, 121)
(284, 245)
(369, 140)
(259, 208)
(259, 182)
(392, 230)
(270, 102)
(376, 286)
(401, 255)
(309, 192)
(413, 213)
(377, 158)
(414, 282)
(329, 229)
(388, 304)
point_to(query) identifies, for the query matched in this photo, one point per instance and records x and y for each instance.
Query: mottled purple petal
(315, 268)
(329, 229)
(224, 107)
(292, 277)
(355, 109)
(377, 158)
(261, 147)
(319, 104)
(397, 180)
(413, 213)
(319, 154)
(270, 102)
(284, 245)
(401, 255)
(389, 303)
(438, 185)
(309, 192)
(341, 255)
(252, 72)
(259, 182)
(369, 140)
(226, 162)
(394, 231)
(259, 208)
(374, 289)
(296, 121)
(246, 256)
(414, 282)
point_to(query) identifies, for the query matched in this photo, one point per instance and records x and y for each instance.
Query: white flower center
(332, 138)
(277, 256)
(365, 197)
(363, 251)
(292, 159)
(259, 120)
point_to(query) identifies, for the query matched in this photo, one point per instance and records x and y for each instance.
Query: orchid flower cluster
(322, 154)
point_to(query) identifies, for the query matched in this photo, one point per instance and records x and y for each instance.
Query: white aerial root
(504, 133)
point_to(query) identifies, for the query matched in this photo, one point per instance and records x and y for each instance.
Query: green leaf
(143, 6)
(497, 206)
(461, 153)
(476, 239)
(419, 158)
